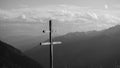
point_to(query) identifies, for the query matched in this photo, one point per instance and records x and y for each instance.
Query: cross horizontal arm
(48, 43)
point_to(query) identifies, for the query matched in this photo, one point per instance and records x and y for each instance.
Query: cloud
(6, 14)
(63, 13)
(24, 6)
(116, 6)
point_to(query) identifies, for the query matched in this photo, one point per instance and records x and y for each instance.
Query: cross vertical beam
(51, 44)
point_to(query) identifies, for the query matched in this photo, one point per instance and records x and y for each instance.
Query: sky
(63, 10)
(12, 4)
(81, 15)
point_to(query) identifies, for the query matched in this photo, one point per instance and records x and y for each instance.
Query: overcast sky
(11, 4)
(92, 20)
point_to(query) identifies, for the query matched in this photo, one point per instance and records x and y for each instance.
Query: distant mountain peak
(83, 50)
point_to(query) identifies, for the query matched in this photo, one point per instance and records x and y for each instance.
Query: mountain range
(93, 49)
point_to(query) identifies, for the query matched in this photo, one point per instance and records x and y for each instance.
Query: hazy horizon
(25, 19)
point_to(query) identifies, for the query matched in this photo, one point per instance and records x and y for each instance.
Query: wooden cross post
(51, 43)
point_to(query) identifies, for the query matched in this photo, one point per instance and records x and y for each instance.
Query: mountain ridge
(77, 50)
(11, 57)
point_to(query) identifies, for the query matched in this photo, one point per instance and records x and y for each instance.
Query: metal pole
(51, 44)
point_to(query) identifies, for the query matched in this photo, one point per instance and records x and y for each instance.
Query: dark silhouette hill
(83, 50)
(11, 57)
